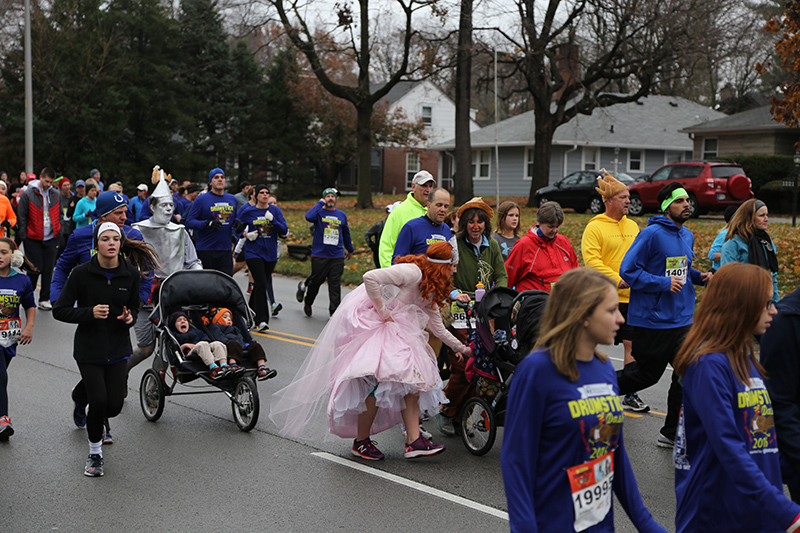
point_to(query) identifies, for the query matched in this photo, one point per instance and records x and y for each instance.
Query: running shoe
(632, 402)
(265, 373)
(236, 369)
(94, 466)
(218, 372)
(301, 292)
(107, 438)
(45, 305)
(6, 430)
(422, 431)
(307, 310)
(422, 447)
(366, 450)
(445, 425)
(79, 415)
(262, 327)
(664, 442)
(276, 308)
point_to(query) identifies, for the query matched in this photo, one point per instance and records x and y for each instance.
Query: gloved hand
(6, 224)
(253, 235)
(214, 224)
(238, 226)
(268, 216)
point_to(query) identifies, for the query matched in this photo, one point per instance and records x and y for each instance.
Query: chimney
(567, 56)
(727, 93)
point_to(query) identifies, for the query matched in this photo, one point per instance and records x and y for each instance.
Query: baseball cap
(80, 183)
(422, 177)
(329, 190)
(141, 187)
(390, 207)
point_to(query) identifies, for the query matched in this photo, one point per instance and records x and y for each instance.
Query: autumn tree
(786, 105)
(358, 45)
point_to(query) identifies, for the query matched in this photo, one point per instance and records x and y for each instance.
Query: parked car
(712, 185)
(577, 190)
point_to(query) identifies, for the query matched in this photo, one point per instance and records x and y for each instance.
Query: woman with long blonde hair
(372, 362)
(727, 471)
(563, 451)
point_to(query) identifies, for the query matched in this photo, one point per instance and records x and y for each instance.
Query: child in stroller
(223, 330)
(214, 354)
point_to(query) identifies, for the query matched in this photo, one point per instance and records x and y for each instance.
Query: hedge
(762, 168)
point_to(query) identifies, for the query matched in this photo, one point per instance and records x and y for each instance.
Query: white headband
(105, 226)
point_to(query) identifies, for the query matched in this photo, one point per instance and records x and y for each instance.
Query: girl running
(727, 468)
(372, 363)
(563, 451)
(15, 291)
(106, 290)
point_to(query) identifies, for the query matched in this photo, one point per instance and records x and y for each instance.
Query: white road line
(414, 485)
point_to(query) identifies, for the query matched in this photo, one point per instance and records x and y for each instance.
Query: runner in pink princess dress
(372, 363)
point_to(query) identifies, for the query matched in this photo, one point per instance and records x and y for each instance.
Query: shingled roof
(651, 122)
(758, 119)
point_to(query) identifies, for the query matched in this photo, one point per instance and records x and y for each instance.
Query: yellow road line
(282, 339)
(291, 335)
(626, 413)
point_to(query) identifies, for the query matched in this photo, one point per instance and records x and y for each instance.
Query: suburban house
(745, 133)
(393, 167)
(635, 138)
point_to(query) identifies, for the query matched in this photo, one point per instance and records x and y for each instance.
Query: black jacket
(99, 341)
(780, 355)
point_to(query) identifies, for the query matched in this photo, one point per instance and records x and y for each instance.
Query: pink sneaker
(422, 447)
(366, 450)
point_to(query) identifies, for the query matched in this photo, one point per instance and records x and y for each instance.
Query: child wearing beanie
(193, 341)
(222, 328)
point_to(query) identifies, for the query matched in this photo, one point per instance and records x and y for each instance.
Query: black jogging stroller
(506, 328)
(195, 292)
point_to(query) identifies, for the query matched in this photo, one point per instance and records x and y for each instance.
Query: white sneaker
(262, 327)
(45, 305)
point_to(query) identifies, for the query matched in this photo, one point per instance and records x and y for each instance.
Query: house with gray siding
(635, 138)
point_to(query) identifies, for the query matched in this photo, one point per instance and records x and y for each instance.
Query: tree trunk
(542, 151)
(463, 157)
(364, 133)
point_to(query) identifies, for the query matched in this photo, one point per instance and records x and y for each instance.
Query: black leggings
(43, 255)
(5, 360)
(262, 288)
(103, 388)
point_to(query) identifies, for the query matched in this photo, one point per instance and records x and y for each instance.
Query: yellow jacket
(605, 243)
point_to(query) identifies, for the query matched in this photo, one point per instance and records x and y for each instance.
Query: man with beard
(211, 217)
(658, 268)
(328, 254)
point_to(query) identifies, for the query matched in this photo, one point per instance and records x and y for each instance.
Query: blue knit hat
(107, 202)
(214, 172)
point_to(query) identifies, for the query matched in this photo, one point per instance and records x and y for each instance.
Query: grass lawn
(785, 238)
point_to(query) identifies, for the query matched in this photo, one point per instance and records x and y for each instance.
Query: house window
(635, 160)
(710, 148)
(412, 167)
(590, 158)
(480, 164)
(427, 116)
(528, 164)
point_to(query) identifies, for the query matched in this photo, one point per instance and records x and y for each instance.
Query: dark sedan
(577, 190)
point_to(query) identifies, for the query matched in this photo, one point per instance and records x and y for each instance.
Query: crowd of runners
(733, 416)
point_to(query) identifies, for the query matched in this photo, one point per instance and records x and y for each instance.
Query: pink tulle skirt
(358, 354)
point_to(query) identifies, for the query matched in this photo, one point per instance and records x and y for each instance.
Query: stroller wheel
(245, 403)
(151, 395)
(478, 427)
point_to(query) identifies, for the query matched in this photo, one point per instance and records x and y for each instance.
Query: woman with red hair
(727, 470)
(372, 362)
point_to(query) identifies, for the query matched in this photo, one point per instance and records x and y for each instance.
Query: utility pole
(28, 92)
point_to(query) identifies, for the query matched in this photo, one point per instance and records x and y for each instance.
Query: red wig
(437, 278)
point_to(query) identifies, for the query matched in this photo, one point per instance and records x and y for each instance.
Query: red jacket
(535, 263)
(30, 213)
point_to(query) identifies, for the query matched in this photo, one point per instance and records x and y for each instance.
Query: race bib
(47, 223)
(677, 267)
(591, 484)
(10, 328)
(330, 236)
(459, 315)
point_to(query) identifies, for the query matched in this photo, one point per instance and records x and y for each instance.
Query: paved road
(194, 470)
